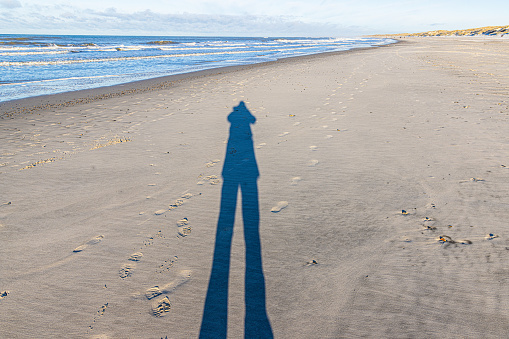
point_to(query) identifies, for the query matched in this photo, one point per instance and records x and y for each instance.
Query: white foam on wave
(183, 55)
(33, 53)
(60, 79)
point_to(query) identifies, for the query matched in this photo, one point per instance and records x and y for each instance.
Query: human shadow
(240, 171)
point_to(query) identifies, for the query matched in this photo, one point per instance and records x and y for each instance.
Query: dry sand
(109, 207)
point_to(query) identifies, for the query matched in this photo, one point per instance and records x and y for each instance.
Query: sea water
(36, 65)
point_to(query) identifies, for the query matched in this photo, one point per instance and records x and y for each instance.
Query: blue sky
(246, 17)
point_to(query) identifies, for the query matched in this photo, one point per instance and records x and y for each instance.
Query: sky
(307, 18)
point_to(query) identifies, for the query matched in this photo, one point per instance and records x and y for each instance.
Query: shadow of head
(240, 160)
(241, 116)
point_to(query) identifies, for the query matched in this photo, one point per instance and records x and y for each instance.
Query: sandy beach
(374, 200)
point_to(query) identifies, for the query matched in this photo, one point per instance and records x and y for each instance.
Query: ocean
(33, 65)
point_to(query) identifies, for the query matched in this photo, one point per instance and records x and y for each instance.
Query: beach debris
(311, 262)
(280, 205)
(291, 115)
(491, 236)
(429, 228)
(476, 179)
(159, 212)
(428, 219)
(7, 203)
(3, 294)
(404, 212)
(444, 239)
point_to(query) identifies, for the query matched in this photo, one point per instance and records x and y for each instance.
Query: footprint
(313, 163)
(153, 292)
(280, 205)
(212, 163)
(313, 148)
(160, 307)
(92, 241)
(182, 222)
(297, 123)
(136, 256)
(171, 287)
(100, 313)
(184, 231)
(167, 265)
(159, 212)
(328, 136)
(177, 203)
(187, 196)
(183, 227)
(295, 180)
(213, 180)
(126, 270)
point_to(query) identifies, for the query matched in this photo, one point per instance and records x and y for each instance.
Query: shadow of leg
(215, 313)
(256, 323)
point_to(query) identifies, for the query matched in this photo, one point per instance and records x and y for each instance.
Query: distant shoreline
(12, 108)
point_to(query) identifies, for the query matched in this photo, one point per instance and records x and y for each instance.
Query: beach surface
(373, 184)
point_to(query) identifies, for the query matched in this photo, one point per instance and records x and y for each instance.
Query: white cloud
(247, 17)
(10, 4)
(64, 19)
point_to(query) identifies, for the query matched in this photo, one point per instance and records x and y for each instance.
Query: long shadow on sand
(240, 171)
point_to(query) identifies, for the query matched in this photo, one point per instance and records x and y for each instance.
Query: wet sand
(374, 186)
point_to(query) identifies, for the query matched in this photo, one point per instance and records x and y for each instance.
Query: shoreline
(11, 108)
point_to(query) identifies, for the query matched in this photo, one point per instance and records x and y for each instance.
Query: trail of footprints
(279, 206)
(158, 296)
